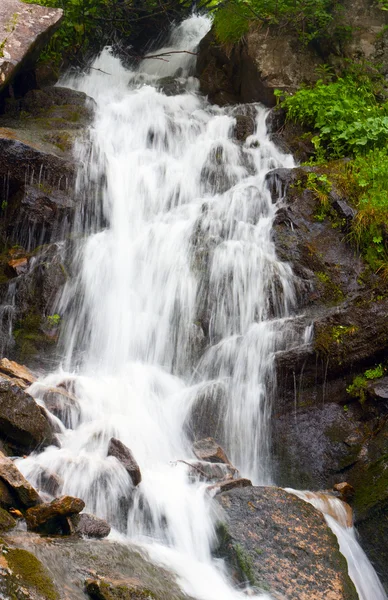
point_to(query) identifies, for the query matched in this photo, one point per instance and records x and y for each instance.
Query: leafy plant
(310, 19)
(88, 25)
(358, 388)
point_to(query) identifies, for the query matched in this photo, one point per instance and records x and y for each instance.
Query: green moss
(331, 292)
(103, 590)
(245, 563)
(331, 340)
(31, 573)
(372, 490)
(6, 521)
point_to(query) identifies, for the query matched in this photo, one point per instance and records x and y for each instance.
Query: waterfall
(176, 293)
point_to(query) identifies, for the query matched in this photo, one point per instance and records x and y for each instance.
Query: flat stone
(24, 29)
(125, 456)
(229, 484)
(23, 491)
(208, 450)
(13, 369)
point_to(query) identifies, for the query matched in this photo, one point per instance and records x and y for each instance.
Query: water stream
(177, 293)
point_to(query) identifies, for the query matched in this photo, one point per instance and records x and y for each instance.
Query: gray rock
(18, 486)
(89, 526)
(120, 572)
(205, 418)
(22, 421)
(24, 29)
(125, 456)
(379, 388)
(209, 450)
(278, 543)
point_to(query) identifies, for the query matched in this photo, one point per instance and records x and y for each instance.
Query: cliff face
(269, 58)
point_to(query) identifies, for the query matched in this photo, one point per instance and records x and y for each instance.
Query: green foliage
(358, 388)
(53, 320)
(309, 18)
(347, 120)
(345, 115)
(90, 24)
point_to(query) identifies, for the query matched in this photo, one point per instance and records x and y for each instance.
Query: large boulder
(23, 424)
(18, 487)
(270, 58)
(24, 29)
(282, 545)
(64, 568)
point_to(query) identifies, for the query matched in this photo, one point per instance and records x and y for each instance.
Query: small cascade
(338, 517)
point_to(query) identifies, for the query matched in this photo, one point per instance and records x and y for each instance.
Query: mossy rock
(6, 521)
(28, 572)
(107, 590)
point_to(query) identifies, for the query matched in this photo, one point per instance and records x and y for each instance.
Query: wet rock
(208, 450)
(245, 126)
(18, 266)
(6, 521)
(205, 418)
(49, 482)
(125, 456)
(38, 215)
(7, 498)
(20, 372)
(21, 162)
(24, 30)
(23, 576)
(213, 471)
(89, 526)
(230, 484)
(63, 405)
(51, 518)
(171, 86)
(315, 444)
(18, 486)
(379, 388)
(73, 563)
(345, 490)
(22, 422)
(282, 545)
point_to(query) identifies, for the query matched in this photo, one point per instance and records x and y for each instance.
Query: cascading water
(361, 571)
(177, 292)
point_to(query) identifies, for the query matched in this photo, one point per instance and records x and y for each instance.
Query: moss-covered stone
(6, 521)
(107, 590)
(28, 572)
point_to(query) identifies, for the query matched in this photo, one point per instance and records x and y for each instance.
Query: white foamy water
(177, 292)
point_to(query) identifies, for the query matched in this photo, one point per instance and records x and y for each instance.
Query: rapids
(172, 245)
